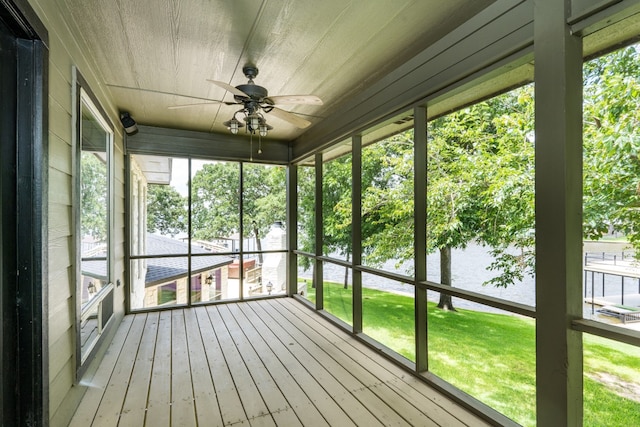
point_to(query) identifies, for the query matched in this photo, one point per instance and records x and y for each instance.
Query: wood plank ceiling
(152, 54)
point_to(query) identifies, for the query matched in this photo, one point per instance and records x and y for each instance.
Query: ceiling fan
(255, 101)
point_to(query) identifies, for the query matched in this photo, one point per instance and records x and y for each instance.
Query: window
(205, 230)
(306, 217)
(611, 279)
(94, 290)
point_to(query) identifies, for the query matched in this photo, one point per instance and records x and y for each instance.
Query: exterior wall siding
(66, 52)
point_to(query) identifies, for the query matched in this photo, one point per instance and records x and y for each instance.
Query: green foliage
(93, 194)
(306, 209)
(481, 182)
(611, 145)
(481, 175)
(264, 198)
(215, 200)
(336, 206)
(387, 200)
(166, 210)
(480, 187)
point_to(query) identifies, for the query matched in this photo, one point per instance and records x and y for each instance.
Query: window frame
(103, 301)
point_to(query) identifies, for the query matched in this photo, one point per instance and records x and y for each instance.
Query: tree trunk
(258, 244)
(445, 302)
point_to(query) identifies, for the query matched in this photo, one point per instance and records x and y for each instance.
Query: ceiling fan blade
(290, 117)
(294, 99)
(175, 107)
(229, 88)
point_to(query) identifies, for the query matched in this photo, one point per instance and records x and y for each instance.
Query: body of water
(469, 271)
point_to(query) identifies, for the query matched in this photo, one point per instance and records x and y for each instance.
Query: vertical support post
(356, 230)
(241, 233)
(190, 234)
(318, 275)
(292, 229)
(420, 230)
(558, 118)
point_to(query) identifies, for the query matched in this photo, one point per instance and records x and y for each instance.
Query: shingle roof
(162, 270)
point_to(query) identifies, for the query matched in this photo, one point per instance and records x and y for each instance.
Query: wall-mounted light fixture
(130, 126)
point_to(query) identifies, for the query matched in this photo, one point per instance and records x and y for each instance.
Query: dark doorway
(23, 188)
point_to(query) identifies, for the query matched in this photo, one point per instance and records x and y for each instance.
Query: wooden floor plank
(366, 407)
(183, 411)
(159, 404)
(257, 363)
(204, 394)
(374, 377)
(257, 366)
(252, 400)
(259, 359)
(231, 410)
(134, 408)
(110, 407)
(296, 397)
(443, 409)
(86, 411)
(395, 410)
(305, 374)
(399, 376)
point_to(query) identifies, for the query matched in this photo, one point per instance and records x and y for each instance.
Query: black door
(23, 187)
(8, 329)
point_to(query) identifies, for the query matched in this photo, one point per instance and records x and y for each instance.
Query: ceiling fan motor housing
(255, 92)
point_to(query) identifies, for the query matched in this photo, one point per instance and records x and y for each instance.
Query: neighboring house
(165, 280)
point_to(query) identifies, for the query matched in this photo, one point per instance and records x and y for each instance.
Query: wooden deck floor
(259, 363)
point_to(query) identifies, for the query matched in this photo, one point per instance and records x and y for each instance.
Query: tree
(93, 193)
(481, 185)
(612, 145)
(387, 200)
(216, 200)
(336, 209)
(264, 199)
(480, 188)
(306, 211)
(481, 175)
(166, 210)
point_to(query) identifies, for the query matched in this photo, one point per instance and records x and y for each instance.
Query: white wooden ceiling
(152, 54)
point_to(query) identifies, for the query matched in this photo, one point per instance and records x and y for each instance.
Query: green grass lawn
(492, 356)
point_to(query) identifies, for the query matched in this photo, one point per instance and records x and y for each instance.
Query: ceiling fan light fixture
(254, 122)
(233, 125)
(264, 128)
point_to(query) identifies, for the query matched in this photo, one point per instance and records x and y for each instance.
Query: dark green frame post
(558, 95)
(356, 230)
(420, 230)
(292, 229)
(317, 270)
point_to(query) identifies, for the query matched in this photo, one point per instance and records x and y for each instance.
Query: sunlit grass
(492, 356)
